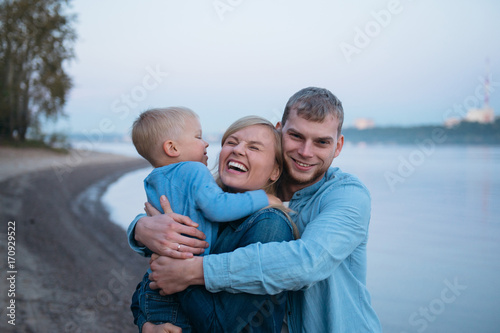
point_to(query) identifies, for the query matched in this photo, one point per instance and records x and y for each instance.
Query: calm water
(434, 236)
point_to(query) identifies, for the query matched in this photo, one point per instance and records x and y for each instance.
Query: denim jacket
(326, 266)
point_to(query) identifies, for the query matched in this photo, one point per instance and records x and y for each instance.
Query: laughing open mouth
(237, 166)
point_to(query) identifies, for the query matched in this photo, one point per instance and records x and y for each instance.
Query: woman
(249, 158)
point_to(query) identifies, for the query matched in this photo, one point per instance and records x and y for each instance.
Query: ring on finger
(179, 247)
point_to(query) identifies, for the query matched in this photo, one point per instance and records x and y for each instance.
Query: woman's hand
(163, 328)
(168, 234)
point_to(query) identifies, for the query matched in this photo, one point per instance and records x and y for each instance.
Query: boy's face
(191, 145)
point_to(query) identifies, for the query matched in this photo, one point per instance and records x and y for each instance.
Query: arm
(340, 227)
(220, 206)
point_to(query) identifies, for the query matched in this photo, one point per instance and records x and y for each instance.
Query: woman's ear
(275, 174)
(171, 149)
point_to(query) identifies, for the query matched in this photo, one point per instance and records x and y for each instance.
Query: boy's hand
(273, 200)
(163, 328)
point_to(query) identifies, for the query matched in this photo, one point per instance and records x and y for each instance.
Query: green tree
(36, 40)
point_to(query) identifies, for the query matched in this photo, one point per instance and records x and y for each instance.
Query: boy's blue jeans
(149, 306)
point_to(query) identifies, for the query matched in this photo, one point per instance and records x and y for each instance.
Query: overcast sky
(397, 62)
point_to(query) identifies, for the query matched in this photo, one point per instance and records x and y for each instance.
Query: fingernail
(163, 198)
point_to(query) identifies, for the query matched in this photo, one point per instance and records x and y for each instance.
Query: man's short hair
(155, 126)
(315, 104)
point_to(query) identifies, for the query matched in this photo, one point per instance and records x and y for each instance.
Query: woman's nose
(239, 149)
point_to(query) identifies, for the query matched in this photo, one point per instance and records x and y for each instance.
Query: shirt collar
(310, 190)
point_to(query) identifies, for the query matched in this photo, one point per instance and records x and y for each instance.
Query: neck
(289, 186)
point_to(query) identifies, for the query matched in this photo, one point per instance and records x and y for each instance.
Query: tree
(36, 40)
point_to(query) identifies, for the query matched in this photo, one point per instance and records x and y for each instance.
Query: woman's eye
(230, 143)
(253, 148)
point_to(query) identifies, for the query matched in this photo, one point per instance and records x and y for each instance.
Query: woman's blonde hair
(248, 121)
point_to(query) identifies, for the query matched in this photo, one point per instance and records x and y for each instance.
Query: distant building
(484, 115)
(364, 123)
(451, 122)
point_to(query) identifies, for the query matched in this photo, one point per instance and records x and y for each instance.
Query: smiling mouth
(304, 165)
(232, 165)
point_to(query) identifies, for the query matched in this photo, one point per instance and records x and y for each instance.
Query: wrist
(196, 276)
(138, 230)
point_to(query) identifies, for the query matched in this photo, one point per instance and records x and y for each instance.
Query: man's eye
(231, 143)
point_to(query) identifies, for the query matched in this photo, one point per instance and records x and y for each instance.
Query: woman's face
(247, 159)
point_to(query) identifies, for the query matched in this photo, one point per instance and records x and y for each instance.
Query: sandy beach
(73, 269)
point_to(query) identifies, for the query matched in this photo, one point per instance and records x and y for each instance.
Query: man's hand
(164, 328)
(174, 275)
(167, 234)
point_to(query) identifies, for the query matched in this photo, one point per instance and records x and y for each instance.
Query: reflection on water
(434, 234)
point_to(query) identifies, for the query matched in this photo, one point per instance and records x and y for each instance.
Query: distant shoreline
(464, 133)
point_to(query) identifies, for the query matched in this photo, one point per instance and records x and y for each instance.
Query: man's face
(308, 149)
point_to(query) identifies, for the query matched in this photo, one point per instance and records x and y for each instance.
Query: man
(326, 266)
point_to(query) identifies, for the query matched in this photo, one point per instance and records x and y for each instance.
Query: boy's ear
(170, 148)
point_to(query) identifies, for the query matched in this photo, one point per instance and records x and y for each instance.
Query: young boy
(171, 140)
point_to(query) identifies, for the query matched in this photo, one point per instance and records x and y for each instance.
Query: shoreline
(74, 268)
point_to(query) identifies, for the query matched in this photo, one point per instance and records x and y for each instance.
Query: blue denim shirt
(326, 266)
(192, 191)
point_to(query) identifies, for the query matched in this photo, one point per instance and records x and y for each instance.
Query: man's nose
(306, 149)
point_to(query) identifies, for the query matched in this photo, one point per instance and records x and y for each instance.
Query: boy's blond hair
(155, 126)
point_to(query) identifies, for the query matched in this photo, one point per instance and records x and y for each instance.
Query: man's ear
(171, 149)
(340, 144)
(278, 126)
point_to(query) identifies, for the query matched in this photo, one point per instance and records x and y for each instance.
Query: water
(434, 232)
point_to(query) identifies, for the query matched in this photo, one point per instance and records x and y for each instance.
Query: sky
(397, 62)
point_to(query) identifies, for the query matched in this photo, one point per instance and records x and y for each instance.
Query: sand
(74, 271)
